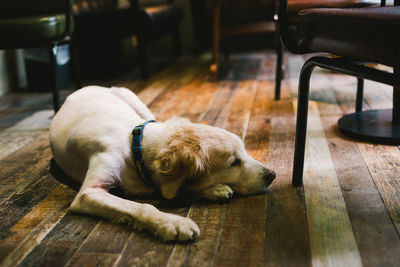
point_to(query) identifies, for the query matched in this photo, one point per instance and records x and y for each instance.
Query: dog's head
(197, 156)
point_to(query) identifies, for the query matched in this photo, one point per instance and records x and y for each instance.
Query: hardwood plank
(35, 225)
(173, 75)
(19, 204)
(93, 259)
(15, 102)
(159, 103)
(378, 95)
(368, 215)
(23, 132)
(286, 239)
(210, 217)
(242, 240)
(359, 180)
(60, 244)
(103, 245)
(382, 162)
(34, 157)
(204, 251)
(240, 69)
(332, 239)
(267, 68)
(200, 99)
(180, 101)
(239, 114)
(218, 107)
(380, 158)
(142, 248)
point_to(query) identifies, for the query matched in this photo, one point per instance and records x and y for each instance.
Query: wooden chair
(264, 26)
(40, 23)
(357, 35)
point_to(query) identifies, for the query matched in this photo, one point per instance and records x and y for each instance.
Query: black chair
(40, 23)
(357, 35)
(158, 19)
(99, 22)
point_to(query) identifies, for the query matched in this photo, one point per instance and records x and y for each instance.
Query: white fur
(90, 138)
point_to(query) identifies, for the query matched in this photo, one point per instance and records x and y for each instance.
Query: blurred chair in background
(40, 23)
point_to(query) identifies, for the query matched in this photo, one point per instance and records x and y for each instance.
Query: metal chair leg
(360, 94)
(278, 71)
(75, 64)
(53, 63)
(301, 122)
(362, 72)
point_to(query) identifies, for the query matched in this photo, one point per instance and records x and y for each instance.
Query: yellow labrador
(93, 141)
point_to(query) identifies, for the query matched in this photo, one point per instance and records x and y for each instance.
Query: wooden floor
(347, 213)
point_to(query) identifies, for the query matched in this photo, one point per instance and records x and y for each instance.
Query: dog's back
(92, 120)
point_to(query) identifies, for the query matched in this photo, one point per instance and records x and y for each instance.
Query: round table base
(374, 126)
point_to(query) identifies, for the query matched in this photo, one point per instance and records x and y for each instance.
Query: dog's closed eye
(236, 162)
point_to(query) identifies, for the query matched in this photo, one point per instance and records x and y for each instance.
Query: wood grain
(346, 215)
(332, 239)
(369, 218)
(286, 239)
(60, 244)
(142, 249)
(34, 157)
(35, 225)
(382, 162)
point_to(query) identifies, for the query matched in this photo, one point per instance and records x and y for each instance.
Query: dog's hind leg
(94, 199)
(133, 100)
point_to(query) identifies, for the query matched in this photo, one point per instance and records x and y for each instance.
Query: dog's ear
(181, 160)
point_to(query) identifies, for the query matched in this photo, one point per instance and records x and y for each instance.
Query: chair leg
(176, 37)
(75, 64)
(301, 122)
(142, 48)
(53, 64)
(396, 100)
(360, 94)
(278, 71)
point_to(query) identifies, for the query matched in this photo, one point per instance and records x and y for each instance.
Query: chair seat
(114, 23)
(295, 6)
(22, 32)
(370, 34)
(159, 19)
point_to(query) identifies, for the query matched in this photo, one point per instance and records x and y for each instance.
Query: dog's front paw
(217, 192)
(178, 228)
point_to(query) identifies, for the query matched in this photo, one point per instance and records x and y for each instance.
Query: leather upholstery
(160, 19)
(27, 8)
(294, 6)
(26, 23)
(32, 29)
(104, 25)
(103, 19)
(371, 34)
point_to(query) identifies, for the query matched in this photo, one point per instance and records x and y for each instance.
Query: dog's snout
(269, 176)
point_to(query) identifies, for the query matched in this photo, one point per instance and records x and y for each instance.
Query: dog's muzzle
(269, 176)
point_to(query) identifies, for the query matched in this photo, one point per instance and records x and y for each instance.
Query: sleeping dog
(106, 137)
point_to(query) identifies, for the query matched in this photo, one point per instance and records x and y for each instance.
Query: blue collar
(137, 136)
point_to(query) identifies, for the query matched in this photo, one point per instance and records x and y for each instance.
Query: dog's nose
(270, 176)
